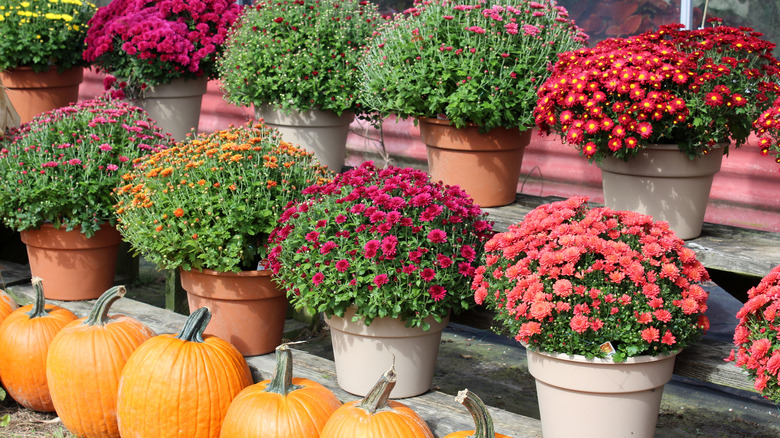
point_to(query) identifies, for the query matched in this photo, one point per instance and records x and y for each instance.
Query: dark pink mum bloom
(318, 278)
(437, 236)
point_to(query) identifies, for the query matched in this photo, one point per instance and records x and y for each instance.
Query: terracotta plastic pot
(487, 166)
(321, 132)
(34, 93)
(247, 308)
(175, 106)
(362, 353)
(664, 183)
(72, 267)
(597, 397)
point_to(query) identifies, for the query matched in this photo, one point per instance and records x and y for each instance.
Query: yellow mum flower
(67, 17)
(25, 4)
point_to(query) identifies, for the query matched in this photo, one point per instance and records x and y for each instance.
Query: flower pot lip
(448, 122)
(645, 358)
(251, 273)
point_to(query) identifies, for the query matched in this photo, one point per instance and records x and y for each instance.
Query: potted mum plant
(757, 336)
(691, 92)
(56, 175)
(40, 52)
(384, 253)
(160, 54)
(467, 71)
(603, 300)
(207, 207)
(296, 62)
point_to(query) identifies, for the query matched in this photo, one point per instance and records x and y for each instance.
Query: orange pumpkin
(180, 385)
(482, 418)
(283, 406)
(84, 364)
(25, 336)
(375, 416)
(7, 305)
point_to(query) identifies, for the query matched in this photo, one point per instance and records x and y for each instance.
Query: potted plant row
(57, 173)
(206, 207)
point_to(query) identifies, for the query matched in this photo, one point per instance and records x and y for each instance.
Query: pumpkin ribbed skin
(25, 336)
(281, 407)
(84, 363)
(180, 386)
(376, 417)
(7, 305)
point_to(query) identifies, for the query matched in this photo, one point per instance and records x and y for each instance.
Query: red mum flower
(713, 99)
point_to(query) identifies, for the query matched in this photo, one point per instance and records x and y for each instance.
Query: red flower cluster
(757, 336)
(767, 127)
(401, 246)
(569, 279)
(693, 88)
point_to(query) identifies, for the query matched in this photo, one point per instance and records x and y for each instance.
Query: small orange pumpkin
(375, 416)
(7, 305)
(25, 336)
(482, 418)
(284, 406)
(90, 353)
(180, 385)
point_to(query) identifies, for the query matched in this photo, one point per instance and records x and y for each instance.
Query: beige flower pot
(321, 132)
(664, 183)
(579, 397)
(175, 106)
(363, 353)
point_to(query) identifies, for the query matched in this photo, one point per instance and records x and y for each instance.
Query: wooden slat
(705, 361)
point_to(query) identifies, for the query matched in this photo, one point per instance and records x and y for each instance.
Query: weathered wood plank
(705, 361)
(439, 410)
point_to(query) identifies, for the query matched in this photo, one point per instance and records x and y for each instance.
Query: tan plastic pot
(487, 166)
(175, 106)
(581, 397)
(321, 132)
(247, 308)
(35, 93)
(72, 267)
(664, 183)
(362, 353)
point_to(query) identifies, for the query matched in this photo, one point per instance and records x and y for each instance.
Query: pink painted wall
(745, 193)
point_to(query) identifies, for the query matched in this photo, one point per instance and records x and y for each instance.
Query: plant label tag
(607, 348)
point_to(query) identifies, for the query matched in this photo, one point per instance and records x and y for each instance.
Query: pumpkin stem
(39, 305)
(195, 325)
(281, 381)
(478, 410)
(99, 313)
(377, 397)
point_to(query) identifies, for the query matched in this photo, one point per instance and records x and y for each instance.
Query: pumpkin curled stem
(478, 410)
(377, 397)
(99, 313)
(195, 325)
(39, 305)
(281, 381)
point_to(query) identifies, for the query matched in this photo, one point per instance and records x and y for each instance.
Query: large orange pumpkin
(7, 305)
(25, 336)
(375, 416)
(284, 406)
(482, 418)
(180, 385)
(84, 364)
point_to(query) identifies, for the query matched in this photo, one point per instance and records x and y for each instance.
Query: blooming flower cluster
(298, 54)
(570, 279)
(478, 61)
(757, 336)
(62, 166)
(211, 201)
(43, 33)
(150, 42)
(694, 88)
(387, 241)
(767, 128)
